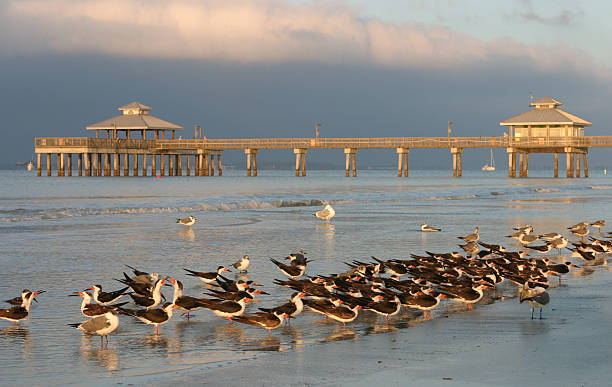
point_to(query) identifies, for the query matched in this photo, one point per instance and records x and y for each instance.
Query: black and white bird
(292, 271)
(154, 317)
(106, 298)
(207, 277)
(18, 313)
(189, 221)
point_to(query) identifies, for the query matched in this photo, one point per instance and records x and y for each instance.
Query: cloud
(256, 31)
(563, 18)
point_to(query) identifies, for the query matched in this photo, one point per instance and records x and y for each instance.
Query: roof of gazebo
(545, 112)
(135, 117)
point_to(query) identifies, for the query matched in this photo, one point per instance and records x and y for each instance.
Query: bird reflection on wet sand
(268, 344)
(102, 357)
(340, 334)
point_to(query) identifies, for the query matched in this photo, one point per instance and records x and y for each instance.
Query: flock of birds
(379, 286)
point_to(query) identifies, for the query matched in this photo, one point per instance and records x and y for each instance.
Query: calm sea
(66, 234)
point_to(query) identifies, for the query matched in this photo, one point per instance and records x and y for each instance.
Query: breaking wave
(24, 215)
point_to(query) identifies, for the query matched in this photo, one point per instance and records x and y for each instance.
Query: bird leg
(469, 306)
(540, 313)
(532, 309)
(157, 329)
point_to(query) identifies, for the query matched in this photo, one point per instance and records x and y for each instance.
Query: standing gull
(101, 325)
(537, 297)
(326, 213)
(242, 264)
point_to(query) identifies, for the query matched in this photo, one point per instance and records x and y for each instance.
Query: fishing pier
(148, 140)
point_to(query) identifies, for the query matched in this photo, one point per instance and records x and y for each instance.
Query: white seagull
(326, 214)
(427, 228)
(187, 221)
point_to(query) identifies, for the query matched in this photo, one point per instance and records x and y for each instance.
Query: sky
(272, 68)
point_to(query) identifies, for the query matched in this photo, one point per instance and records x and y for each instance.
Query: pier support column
(511, 162)
(162, 166)
(521, 164)
(196, 165)
(251, 161)
(95, 164)
(577, 164)
(154, 165)
(526, 170)
(188, 165)
(38, 164)
(48, 164)
(87, 162)
(144, 164)
(402, 161)
(135, 172)
(586, 166)
(556, 165)
(569, 163)
(170, 165)
(69, 166)
(219, 164)
(60, 164)
(116, 164)
(351, 155)
(179, 165)
(300, 161)
(212, 164)
(80, 164)
(205, 166)
(107, 164)
(126, 164)
(457, 168)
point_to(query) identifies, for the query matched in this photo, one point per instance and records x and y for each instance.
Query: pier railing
(325, 143)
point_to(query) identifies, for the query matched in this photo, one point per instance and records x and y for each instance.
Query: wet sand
(496, 344)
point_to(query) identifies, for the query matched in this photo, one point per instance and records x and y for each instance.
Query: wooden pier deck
(167, 155)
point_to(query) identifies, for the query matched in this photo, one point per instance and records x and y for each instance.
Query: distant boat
(30, 165)
(491, 165)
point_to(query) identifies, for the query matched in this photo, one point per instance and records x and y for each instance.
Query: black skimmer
(344, 313)
(234, 286)
(537, 297)
(228, 309)
(292, 309)
(101, 325)
(242, 264)
(230, 295)
(106, 298)
(207, 277)
(427, 228)
(385, 306)
(471, 237)
(90, 309)
(25, 294)
(18, 313)
(189, 221)
(526, 229)
(186, 303)
(143, 276)
(152, 301)
(267, 320)
(544, 249)
(557, 269)
(326, 213)
(465, 294)
(154, 317)
(598, 224)
(322, 306)
(138, 285)
(292, 271)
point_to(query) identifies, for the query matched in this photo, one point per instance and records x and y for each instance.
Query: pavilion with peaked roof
(546, 129)
(135, 118)
(545, 120)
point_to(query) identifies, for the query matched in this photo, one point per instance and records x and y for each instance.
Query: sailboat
(491, 165)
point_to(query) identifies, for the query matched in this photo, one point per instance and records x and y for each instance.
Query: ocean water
(64, 234)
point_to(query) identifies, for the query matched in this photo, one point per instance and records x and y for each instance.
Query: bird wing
(95, 324)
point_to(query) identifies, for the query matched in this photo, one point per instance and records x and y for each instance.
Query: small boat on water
(30, 165)
(491, 165)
